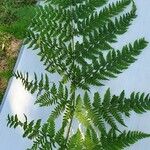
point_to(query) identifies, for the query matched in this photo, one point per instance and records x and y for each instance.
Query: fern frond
(58, 109)
(137, 102)
(45, 100)
(73, 39)
(68, 114)
(75, 141)
(94, 115)
(97, 20)
(100, 39)
(13, 121)
(31, 129)
(59, 138)
(52, 96)
(80, 113)
(123, 140)
(114, 63)
(45, 139)
(91, 140)
(35, 84)
(97, 113)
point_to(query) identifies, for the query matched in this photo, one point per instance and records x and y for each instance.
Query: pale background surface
(136, 78)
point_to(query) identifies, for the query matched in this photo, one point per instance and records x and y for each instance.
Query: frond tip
(34, 85)
(31, 129)
(121, 141)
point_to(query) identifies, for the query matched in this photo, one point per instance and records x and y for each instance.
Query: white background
(136, 78)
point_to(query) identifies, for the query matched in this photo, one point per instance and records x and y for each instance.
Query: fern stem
(73, 78)
(69, 129)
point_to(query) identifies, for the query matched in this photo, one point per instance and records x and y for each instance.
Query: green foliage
(9, 8)
(81, 64)
(18, 28)
(16, 16)
(6, 74)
